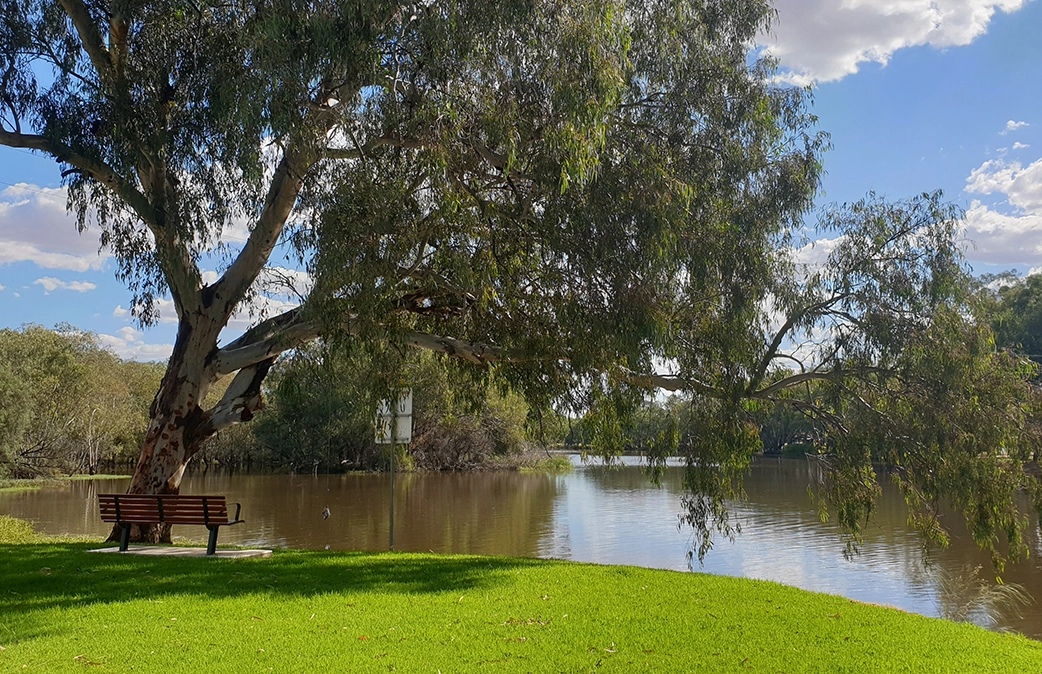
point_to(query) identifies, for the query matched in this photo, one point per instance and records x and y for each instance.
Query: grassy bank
(63, 608)
(12, 484)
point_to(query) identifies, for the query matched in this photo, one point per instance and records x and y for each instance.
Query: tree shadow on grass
(43, 576)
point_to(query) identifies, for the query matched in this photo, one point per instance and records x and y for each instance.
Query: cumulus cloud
(1008, 237)
(129, 344)
(1020, 146)
(824, 40)
(34, 227)
(815, 253)
(1021, 186)
(998, 238)
(1013, 126)
(51, 284)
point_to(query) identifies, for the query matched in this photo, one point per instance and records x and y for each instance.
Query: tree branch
(362, 151)
(241, 399)
(281, 198)
(265, 341)
(795, 379)
(772, 351)
(97, 170)
(90, 36)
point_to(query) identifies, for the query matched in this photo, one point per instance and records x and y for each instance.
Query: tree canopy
(574, 195)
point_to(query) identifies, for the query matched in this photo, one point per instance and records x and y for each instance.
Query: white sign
(400, 416)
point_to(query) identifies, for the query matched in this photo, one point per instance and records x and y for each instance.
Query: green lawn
(65, 609)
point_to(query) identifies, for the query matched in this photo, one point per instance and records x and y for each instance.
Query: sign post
(394, 426)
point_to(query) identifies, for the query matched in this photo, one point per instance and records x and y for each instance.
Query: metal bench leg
(211, 546)
(124, 540)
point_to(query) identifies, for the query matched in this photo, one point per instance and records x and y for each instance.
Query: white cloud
(1, 288)
(51, 284)
(825, 40)
(165, 307)
(815, 253)
(1014, 236)
(1013, 126)
(1020, 146)
(35, 227)
(998, 238)
(129, 344)
(1021, 186)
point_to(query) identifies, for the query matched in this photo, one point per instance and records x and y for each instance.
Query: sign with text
(400, 417)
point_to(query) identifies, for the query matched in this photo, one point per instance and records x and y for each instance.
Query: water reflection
(596, 514)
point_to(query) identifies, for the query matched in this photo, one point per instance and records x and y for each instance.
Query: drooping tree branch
(98, 170)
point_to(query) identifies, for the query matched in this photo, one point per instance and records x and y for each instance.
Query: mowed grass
(63, 608)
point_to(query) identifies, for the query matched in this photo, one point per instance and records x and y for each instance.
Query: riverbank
(64, 607)
(32, 484)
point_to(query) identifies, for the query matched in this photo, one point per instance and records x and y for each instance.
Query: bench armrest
(238, 507)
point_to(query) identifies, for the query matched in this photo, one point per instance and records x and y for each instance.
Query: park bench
(128, 509)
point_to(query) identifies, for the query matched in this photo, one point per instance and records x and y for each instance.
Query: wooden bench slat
(167, 508)
(127, 509)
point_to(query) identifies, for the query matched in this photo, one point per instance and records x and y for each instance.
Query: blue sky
(917, 95)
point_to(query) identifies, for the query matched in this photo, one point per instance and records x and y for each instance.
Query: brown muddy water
(595, 514)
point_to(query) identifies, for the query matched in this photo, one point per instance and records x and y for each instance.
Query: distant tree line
(319, 414)
(67, 405)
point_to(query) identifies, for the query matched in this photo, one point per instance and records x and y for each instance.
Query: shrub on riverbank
(67, 608)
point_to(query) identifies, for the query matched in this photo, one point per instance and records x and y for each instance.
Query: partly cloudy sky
(917, 95)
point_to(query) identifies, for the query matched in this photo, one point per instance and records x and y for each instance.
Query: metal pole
(393, 433)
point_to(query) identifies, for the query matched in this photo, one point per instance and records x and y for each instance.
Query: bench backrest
(166, 508)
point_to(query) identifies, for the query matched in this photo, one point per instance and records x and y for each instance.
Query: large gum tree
(569, 192)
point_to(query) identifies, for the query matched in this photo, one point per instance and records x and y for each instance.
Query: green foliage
(322, 401)
(66, 404)
(14, 531)
(371, 612)
(1015, 312)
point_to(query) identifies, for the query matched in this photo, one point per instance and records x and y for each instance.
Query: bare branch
(772, 351)
(265, 340)
(282, 196)
(362, 151)
(789, 382)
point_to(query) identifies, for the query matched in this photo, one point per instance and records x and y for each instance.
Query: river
(594, 514)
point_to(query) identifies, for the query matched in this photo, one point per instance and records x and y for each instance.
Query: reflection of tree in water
(487, 513)
(964, 596)
(961, 577)
(480, 513)
(628, 478)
